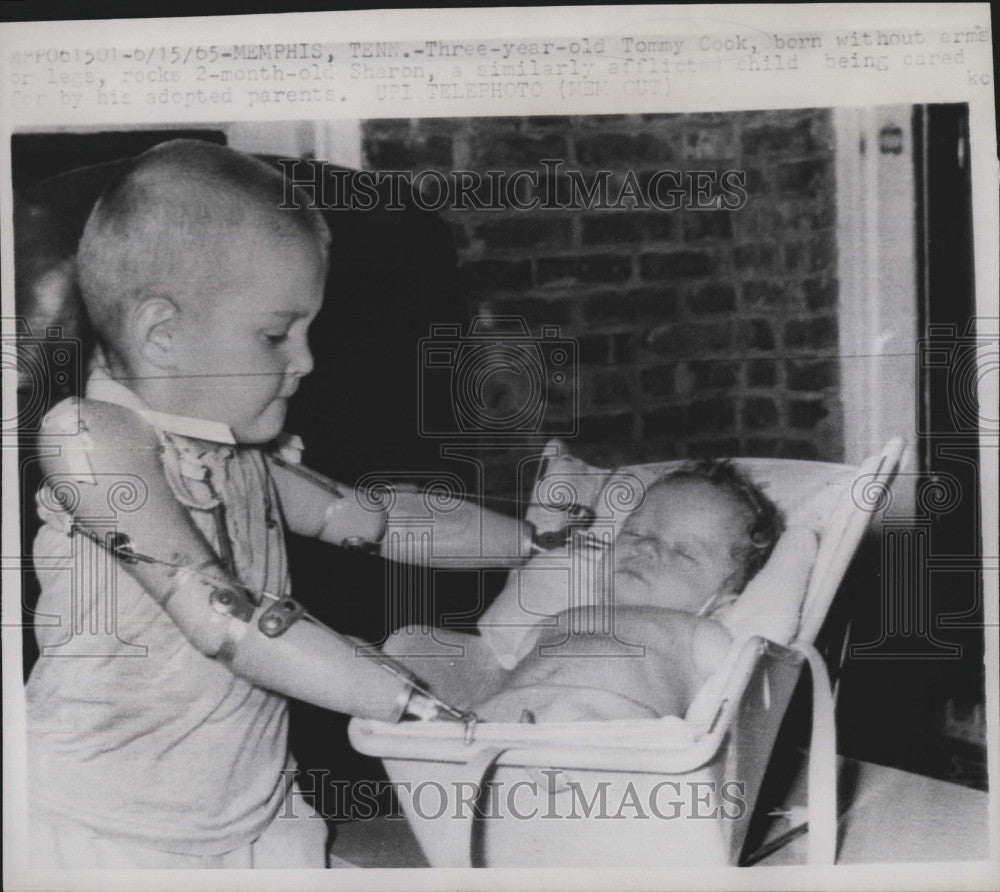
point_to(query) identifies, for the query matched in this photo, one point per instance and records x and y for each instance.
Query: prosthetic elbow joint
(279, 617)
(221, 635)
(274, 621)
(230, 602)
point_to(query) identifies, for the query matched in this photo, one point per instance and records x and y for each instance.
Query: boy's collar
(101, 386)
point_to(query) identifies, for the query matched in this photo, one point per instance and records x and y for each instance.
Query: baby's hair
(163, 224)
(766, 524)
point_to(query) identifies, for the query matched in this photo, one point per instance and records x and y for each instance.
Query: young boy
(157, 721)
(699, 536)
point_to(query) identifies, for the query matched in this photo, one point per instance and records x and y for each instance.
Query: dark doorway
(957, 349)
(913, 699)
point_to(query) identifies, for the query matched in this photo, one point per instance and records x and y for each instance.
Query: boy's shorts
(298, 842)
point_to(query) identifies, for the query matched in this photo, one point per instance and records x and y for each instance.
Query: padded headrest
(793, 485)
(809, 495)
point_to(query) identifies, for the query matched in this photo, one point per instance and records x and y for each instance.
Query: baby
(157, 714)
(700, 535)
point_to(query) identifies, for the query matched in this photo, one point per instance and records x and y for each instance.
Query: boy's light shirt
(170, 750)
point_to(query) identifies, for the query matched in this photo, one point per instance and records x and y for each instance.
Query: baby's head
(701, 533)
(201, 287)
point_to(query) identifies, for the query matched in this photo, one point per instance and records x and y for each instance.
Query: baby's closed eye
(645, 546)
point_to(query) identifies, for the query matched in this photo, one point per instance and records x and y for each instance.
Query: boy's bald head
(167, 224)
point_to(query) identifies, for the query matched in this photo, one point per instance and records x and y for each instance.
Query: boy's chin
(262, 429)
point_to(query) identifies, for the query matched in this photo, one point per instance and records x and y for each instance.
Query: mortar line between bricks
(792, 251)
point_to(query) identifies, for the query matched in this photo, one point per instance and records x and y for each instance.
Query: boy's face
(676, 549)
(243, 351)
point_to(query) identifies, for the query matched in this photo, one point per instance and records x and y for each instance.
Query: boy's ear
(155, 330)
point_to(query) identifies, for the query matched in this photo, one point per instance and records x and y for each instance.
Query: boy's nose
(302, 361)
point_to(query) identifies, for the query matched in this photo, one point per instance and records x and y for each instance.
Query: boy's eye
(275, 340)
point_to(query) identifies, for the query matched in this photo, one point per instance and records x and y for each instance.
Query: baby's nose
(645, 550)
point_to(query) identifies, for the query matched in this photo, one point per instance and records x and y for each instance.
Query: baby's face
(676, 549)
(244, 351)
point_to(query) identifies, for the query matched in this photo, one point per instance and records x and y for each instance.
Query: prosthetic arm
(256, 635)
(463, 535)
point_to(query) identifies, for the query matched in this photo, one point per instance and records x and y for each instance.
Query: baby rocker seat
(649, 792)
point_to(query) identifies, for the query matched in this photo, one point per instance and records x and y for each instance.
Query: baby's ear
(735, 581)
(154, 330)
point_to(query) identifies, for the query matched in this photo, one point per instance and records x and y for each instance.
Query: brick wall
(699, 332)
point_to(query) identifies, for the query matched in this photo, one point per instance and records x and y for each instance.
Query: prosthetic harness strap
(201, 461)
